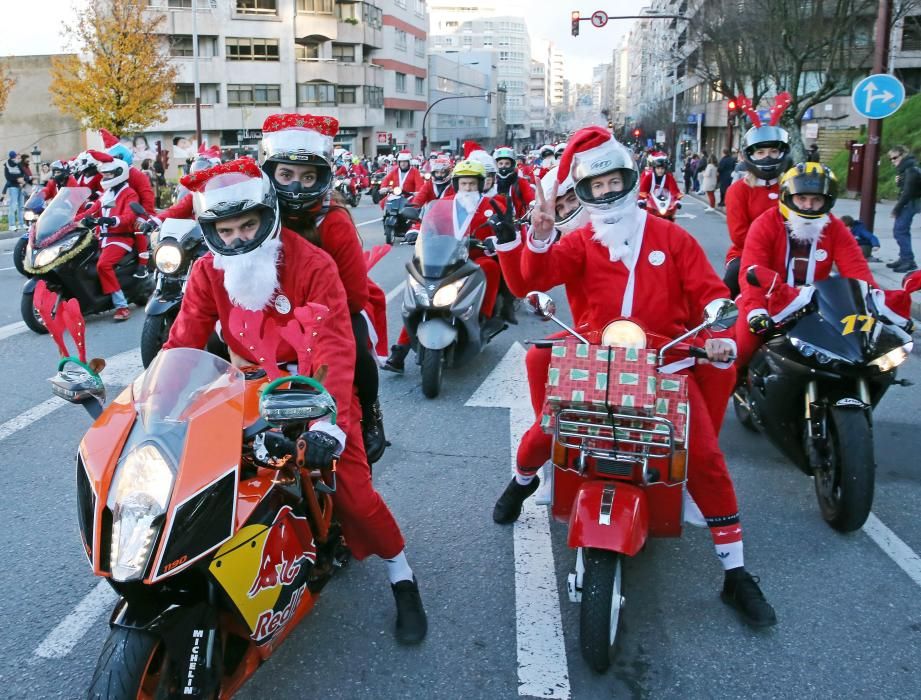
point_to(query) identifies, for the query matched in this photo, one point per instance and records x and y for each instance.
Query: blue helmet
(122, 152)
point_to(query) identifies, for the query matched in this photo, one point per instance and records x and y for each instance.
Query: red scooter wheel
(602, 604)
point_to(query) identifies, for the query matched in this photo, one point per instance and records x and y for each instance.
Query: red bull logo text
(288, 544)
(270, 621)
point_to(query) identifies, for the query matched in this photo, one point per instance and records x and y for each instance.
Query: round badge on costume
(488, 212)
(773, 195)
(282, 305)
(656, 257)
(821, 254)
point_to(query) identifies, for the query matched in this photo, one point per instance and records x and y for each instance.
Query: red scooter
(619, 454)
(663, 204)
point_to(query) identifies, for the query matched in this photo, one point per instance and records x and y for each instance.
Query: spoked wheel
(431, 372)
(844, 478)
(132, 666)
(30, 314)
(602, 604)
(740, 405)
(154, 335)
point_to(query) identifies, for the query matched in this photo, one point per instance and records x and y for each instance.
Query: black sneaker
(905, 266)
(508, 507)
(373, 432)
(894, 263)
(741, 591)
(397, 357)
(412, 623)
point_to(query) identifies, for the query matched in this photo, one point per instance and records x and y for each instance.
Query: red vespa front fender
(609, 515)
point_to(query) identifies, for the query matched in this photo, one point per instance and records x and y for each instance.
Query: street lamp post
(195, 72)
(425, 116)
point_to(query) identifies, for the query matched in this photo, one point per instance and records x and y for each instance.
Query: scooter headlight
(447, 295)
(168, 258)
(623, 334)
(397, 191)
(138, 497)
(893, 358)
(47, 256)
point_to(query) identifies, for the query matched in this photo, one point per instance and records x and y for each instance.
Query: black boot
(508, 310)
(397, 357)
(372, 426)
(508, 507)
(412, 623)
(741, 591)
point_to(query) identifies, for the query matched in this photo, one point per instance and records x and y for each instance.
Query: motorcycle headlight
(623, 334)
(821, 356)
(29, 215)
(139, 494)
(447, 295)
(168, 258)
(419, 291)
(893, 358)
(47, 256)
(397, 191)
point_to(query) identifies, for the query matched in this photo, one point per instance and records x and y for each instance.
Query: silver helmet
(607, 157)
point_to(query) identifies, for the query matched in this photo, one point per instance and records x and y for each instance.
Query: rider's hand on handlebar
(106, 221)
(321, 449)
(760, 324)
(148, 227)
(89, 222)
(719, 350)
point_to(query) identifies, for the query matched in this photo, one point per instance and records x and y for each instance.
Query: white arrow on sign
(870, 91)
(542, 668)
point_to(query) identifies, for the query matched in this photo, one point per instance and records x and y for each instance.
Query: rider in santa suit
(403, 176)
(509, 183)
(628, 264)
(257, 265)
(60, 177)
(654, 182)
(438, 187)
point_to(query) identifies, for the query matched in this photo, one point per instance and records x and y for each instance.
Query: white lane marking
(4, 269)
(393, 293)
(365, 223)
(685, 216)
(12, 329)
(542, 666)
(63, 638)
(120, 370)
(903, 555)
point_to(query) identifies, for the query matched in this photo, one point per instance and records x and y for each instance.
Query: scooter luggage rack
(611, 435)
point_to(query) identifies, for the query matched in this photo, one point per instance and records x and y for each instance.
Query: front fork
(574, 580)
(817, 412)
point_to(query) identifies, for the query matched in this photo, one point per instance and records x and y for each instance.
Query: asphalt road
(850, 617)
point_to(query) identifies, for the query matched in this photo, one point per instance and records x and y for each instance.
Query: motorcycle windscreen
(35, 201)
(60, 215)
(438, 249)
(844, 323)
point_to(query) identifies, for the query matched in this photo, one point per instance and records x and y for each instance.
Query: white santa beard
(251, 279)
(616, 230)
(807, 230)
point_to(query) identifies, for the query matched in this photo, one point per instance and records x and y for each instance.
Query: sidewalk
(888, 249)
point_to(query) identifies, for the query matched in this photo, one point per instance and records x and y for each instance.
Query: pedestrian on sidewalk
(708, 181)
(14, 182)
(866, 239)
(688, 173)
(908, 178)
(725, 168)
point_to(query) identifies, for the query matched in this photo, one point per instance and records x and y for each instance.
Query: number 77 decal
(850, 323)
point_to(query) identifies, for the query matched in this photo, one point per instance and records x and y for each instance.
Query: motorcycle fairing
(609, 515)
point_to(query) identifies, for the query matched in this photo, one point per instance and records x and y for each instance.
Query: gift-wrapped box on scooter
(616, 380)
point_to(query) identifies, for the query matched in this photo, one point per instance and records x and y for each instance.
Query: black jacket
(908, 178)
(725, 167)
(13, 174)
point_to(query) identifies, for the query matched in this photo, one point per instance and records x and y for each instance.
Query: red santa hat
(583, 140)
(470, 147)
(244, 167)
(290, 133)
(108, 140)
(100, 156)
(327, 126)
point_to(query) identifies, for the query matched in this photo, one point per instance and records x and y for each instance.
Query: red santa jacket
(412, 181)
(647, 183)
(673, 280)
(51, 187)
(744, 204)
(140, 183)
(427, 194)
(306, 274)
(182, 209)
(522, 194)
(339, 238)
(479, 228)
(768, 245)
(115, 204)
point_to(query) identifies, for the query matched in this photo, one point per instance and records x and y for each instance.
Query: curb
(878, 269)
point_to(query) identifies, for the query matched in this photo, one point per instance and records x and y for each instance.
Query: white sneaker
(709, 209)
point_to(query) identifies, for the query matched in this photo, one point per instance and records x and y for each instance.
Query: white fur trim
(760, 311)
(879, 298)
(536, 246)
(511, 245)
(324, 426)
(802, 298)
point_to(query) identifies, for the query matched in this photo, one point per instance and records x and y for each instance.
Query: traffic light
(636, 134)
(575, 23)
(731, 111)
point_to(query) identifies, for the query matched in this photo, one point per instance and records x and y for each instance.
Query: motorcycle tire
(375, 195)
(602, 605)
(30, 316)
(743, 411)
(844, 484)
(130, 666)
(432, 366)
(19, 256)
(388, 235)
(153, 336)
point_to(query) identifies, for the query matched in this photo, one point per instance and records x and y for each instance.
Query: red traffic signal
(575, 23)
(732, 106)
(636, 133)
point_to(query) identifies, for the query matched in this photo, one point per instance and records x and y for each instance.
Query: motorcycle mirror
(137, 209)
(289, 406)
(720, 314)
(542, 305)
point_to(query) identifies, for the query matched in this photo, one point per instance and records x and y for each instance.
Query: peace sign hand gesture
(543, 217)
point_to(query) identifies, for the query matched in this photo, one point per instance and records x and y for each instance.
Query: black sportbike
(811, 389)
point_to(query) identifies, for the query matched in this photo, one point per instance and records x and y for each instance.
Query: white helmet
(404, 155)
(489, 164)
(119, 173)
(575, 219)
(592, 152)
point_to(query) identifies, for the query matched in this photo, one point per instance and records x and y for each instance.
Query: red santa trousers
(105, 265)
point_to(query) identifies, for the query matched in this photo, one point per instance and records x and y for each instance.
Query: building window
(307, 52)
(181, 46)
(175, 4)
(401, 82)
(344, 53)
(347, 11)
(399, 39)
(372, 15)
(254, 95)
(419, 7)
(317, 7)
(257, 7)
(420, 86)
(322, 94)
(404, 119)
(374, 96)
(911, 34)
(184, 93)
(420, 47)
(401, 3)
(346, 94)
(246, 49)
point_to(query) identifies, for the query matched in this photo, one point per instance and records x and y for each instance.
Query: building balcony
(315, 70)
(308, 27)
(359, 33)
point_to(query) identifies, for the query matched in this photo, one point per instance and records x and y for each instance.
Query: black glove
(678, 205)
(489, 245)
(89, 221)
(321, 449)
(761, 324)
(107, 221)
(148, 227)
(503, 223)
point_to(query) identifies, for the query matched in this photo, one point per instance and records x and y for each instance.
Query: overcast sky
(34, 28)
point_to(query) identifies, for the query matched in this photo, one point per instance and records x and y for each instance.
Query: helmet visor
(297, 145)
(228, 194)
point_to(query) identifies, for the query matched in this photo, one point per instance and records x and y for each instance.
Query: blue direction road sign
(878, 96)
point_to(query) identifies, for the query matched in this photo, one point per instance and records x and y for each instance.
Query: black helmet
(808, 178)
(60, 173)
(299, 147)
(766, 137)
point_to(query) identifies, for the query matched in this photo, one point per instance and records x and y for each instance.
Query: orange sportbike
(195, 505)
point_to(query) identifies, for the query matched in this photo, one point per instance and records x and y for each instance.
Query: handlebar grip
(695, 351)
